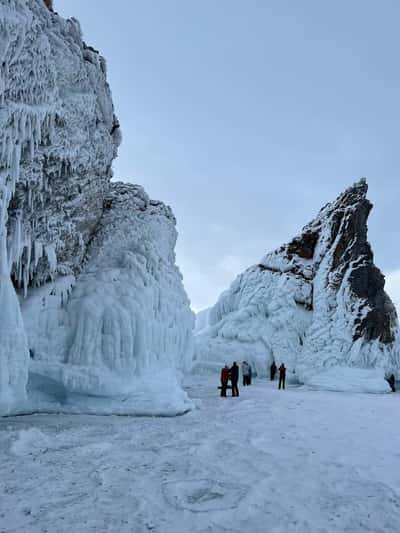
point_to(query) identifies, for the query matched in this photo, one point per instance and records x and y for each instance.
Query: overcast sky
(247, 116)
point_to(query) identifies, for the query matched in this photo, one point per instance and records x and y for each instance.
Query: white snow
(294, 461)
(30, 441)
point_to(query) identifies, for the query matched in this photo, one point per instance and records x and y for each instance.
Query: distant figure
(234, 373)
(31, 353)
(245, 373)
(224, 380)
(250, 374)
(273, 370)
(282, 376)
(392, 382)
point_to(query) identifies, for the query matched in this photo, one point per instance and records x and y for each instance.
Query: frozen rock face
(59, 138)
(93, 263)
(316, 303)
(125, 330)
(132, 287)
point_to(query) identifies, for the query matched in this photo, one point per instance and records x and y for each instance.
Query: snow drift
(316, 303)
(94, 312)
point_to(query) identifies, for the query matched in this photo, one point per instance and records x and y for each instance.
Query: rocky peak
(316, 302)
(340, 231)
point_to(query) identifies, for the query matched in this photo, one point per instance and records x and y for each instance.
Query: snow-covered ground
(268, 461)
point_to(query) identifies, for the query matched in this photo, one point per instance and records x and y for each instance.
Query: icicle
(51, 257)
(38, 252)
(28, 249)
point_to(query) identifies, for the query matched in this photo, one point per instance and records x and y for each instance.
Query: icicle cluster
(58, 139)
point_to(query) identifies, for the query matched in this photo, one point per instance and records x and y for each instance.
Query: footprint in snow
(203, 495)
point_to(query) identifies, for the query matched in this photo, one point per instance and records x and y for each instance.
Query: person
(250, 374)
(273, 370)
(234, 373)
(224, 380)
(282, 376)
(245, 373)
(392, 380)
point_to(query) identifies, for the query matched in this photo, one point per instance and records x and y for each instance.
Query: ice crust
(299, 307)
(101, 319)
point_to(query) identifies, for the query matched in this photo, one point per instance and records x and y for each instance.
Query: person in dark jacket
(282, 376)
(250, 375)
(234, 373)
(273, 370)
(224, 380)
(392, 382)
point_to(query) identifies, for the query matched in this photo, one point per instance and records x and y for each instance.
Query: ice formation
(202, 319)
(317, 303)
(93, 307)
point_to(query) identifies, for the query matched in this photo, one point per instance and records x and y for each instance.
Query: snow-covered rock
(104, 312)
(315, 303)
(127, 319)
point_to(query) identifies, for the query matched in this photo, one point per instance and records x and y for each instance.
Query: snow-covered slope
(315, 303)
(93, 262)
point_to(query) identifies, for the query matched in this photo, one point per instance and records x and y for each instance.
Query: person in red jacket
(282, 376)
(224, 380)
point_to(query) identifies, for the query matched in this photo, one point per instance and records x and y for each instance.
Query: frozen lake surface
(268, 461)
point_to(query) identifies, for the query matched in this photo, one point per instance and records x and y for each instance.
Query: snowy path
(269, 461)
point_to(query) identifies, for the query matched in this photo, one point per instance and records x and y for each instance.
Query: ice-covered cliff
(317, 303)
(124, 331)
(93, 263)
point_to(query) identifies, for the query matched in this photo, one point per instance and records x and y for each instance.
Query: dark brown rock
(303, 246)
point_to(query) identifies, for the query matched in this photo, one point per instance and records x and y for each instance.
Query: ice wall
(92, 325)
(133, 288)
(316, 303)
(202, 318)
(126, 325)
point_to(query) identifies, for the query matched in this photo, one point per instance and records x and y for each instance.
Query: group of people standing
(232, 374)
(282, 374)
